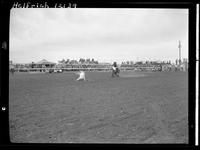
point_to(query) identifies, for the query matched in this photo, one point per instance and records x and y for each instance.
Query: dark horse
(115, 72)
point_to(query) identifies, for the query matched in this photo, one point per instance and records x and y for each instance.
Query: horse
(115, 72)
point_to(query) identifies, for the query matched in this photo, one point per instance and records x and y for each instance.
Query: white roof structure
(45, 62)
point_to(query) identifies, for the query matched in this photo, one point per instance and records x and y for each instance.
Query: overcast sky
(106, 35)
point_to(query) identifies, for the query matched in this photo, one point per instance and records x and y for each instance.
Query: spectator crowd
(94, 65)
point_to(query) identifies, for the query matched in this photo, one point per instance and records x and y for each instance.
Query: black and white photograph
(99, 75)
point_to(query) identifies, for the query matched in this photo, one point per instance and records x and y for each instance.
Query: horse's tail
(117, 70)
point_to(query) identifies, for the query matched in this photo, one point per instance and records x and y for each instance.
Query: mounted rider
(115, 70)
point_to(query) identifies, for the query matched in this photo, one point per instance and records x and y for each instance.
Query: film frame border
(184, 4)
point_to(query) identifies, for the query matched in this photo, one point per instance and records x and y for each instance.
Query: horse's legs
(113, 73)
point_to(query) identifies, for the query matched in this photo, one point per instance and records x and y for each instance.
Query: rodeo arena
(133, 102)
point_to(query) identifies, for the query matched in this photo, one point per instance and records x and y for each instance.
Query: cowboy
(81, 76)
(12, 70)
(115, 70)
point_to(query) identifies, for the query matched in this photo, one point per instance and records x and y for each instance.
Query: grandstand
(73, 65)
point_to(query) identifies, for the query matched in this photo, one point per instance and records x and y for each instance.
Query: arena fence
(58, 69)
(100, 68)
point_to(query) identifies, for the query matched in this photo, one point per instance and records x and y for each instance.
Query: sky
(107, 35)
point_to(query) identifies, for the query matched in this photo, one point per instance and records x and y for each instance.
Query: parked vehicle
(58, 70)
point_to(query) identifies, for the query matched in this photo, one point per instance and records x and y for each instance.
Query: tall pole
(179, 46)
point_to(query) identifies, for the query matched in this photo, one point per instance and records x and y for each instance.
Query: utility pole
(179, 47)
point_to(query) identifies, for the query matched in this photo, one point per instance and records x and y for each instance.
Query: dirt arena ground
(136, 108)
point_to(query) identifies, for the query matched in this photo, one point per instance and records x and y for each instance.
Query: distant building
(43, 64)
(11, 65)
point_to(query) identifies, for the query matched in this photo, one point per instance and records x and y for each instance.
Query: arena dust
(148, 107)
